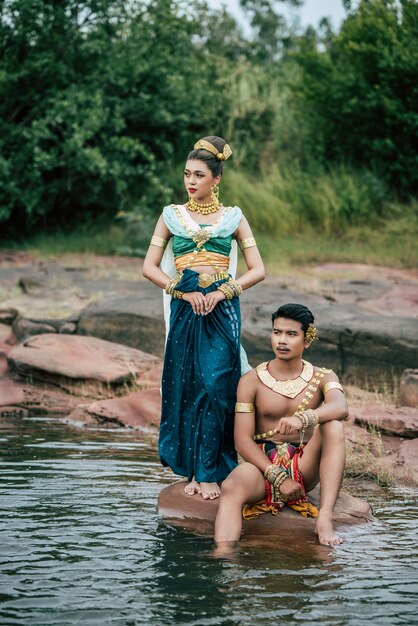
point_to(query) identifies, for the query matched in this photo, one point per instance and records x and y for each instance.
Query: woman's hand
(197, 301)
(212, 299)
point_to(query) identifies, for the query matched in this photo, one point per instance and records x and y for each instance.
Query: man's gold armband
(244, 407)
(332, 385)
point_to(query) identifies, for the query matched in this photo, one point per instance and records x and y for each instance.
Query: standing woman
(203, 358)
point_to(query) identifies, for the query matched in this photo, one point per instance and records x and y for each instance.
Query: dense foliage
(358, 91)
(98, 98)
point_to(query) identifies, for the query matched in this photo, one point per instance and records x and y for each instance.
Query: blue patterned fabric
(202, 368)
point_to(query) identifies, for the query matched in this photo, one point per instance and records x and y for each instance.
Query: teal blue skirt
(201, 371)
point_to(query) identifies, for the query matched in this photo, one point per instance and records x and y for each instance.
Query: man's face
(288, 339)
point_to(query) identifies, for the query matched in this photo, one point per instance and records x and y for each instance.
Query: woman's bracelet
(230, 289)
(171, 285)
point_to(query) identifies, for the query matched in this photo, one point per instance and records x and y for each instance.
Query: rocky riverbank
(81, 338)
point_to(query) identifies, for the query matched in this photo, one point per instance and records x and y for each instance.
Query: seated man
(301, 408)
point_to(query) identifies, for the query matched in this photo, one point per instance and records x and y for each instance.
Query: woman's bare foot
(192, 487)
(210, 491)
(325, 530)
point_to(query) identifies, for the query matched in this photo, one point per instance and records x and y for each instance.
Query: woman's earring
(215, 193)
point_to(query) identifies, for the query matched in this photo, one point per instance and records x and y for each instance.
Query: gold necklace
(203, 209)
(289, 388)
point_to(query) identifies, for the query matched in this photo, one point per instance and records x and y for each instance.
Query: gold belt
(205, 280)
(203, 257)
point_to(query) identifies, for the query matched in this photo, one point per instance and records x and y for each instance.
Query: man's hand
(291, 490)
(289, 426)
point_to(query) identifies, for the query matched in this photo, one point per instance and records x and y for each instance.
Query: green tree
(357, 91)
(97, 98)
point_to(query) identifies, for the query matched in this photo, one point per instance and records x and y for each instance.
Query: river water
(81, 543)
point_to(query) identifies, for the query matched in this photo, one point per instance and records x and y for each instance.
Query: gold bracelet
(275, 475)
(244, 407)
(178, 295)
(250, 242)
(332, 385)
(158, 241)
(236, 287)
(170, 286)
(226, 291)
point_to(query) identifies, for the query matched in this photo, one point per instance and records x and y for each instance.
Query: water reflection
(80, 542)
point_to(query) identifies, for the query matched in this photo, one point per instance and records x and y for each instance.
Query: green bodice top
(221, 245)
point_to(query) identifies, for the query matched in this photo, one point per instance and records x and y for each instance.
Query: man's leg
(324, 458)
(245, 484)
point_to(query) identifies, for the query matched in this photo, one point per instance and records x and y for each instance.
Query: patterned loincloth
(286, 456)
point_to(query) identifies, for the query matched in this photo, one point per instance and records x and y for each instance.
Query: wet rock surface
(288, 528)
(81, 337)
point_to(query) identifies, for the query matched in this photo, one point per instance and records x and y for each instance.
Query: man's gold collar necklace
(289, 388)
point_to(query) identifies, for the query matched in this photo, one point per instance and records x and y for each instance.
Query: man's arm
(244, 428)
(334, 407)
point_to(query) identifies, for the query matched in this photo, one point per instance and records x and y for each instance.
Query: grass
(299, 218)
(368, 461)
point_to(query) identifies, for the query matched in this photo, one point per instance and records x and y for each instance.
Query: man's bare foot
(192, 487)
(210, 491)
(325, 531)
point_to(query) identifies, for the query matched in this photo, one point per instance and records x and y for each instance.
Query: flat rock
(152, 377)
(353, 341)
(398, 421)
(7, 315)
(408, 388)
(135, 320)
(288, 527)
(55, 356)
(353, 305)
(17, 397)
(24, 328)
(136, 410)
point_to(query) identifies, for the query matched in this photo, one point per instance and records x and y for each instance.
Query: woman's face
(199, 181)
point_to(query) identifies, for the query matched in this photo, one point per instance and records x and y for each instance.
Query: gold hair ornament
(206, 145)
(311, 334)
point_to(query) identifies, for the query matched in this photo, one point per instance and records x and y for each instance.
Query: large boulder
(354, 341)
(133, 320)
(24, 399)
(292, 530)
(67, 358)
(136, 410)
(398, 421)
